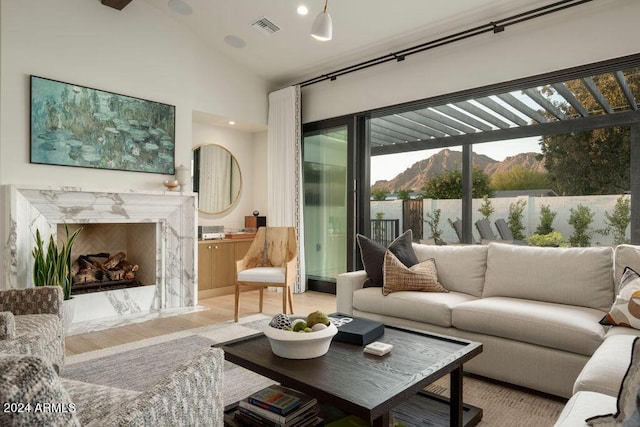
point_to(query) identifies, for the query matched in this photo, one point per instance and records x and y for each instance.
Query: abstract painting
(73, 125)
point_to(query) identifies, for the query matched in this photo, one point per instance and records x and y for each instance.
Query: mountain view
(415, 176)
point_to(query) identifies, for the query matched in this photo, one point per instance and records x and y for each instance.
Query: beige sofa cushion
(583, 405)
(625, 256)
(573, 276)
(426, 307)
(460, 268)
(604, 372)
(569, 328)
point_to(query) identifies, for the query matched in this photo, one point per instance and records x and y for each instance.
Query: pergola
(543, 105)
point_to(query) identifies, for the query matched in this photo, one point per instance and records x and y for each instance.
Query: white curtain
(284, 169)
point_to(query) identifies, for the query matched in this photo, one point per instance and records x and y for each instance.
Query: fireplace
(156, 228)
(112, 256)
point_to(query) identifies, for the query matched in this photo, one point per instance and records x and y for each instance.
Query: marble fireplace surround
(28, 208)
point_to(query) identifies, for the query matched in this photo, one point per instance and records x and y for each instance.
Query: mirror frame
(193, 171)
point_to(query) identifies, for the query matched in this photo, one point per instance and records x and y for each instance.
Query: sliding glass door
(326, 205)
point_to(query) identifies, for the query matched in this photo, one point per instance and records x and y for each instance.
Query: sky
(390, 165)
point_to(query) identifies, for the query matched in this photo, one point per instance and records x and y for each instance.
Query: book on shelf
(307, 418)
(265, 409)
(276, 398)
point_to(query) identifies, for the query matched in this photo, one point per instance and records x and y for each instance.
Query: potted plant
(52, 267)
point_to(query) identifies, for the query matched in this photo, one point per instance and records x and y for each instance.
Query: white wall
(244, 146)
(139, 51)
(588, 33)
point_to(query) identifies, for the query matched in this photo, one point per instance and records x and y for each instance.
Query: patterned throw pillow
(372, 254)
(628, 414)
(625, 310)
(419, 277)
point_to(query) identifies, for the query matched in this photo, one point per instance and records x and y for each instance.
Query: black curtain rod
(494, 26)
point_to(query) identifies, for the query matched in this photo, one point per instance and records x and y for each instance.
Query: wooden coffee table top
(361, 384)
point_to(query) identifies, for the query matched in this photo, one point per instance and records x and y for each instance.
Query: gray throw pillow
(372, 254)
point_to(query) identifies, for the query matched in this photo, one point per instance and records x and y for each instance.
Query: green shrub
(433, 221)
(581, 218)
(553, 239)
(516, 219)
(546, 220)
(618, 221)
(486, 209)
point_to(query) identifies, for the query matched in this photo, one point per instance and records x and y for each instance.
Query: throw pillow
(372, 254)
(419, 277)
(625, 310)
(627, 414)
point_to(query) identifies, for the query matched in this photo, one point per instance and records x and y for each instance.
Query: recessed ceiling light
(235, 41)
(302, 10)
(231, 122)
(179, 6)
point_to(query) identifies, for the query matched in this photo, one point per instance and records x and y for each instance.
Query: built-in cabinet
(217, 265)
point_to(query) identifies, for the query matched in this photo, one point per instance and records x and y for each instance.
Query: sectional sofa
(536, 310)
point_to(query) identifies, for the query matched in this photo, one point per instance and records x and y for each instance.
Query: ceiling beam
(504, 112)
(421, 132)
(597, 95)
(460, 127)
(625, 119)
(441, 129)
(461, 116)
(470, 108)
(564, 92)
(545, 103)
(522, 107)
(624, 86)
(116, 4)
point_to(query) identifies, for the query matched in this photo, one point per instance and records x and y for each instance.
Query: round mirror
(216, 178)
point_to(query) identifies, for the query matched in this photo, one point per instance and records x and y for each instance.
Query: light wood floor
(221, 310)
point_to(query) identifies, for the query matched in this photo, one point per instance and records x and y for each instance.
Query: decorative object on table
(53, 268)
(356, 330)
(298, 340)
(254, 222)
(73, 125)
(183, 176)
(378, 348)
(171, 184)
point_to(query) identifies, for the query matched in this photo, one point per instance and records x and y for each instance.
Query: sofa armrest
(38, 300)
(7, 326)
(346, 285)
(189, 395)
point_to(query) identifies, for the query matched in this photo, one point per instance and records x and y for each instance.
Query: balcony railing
(384, 231)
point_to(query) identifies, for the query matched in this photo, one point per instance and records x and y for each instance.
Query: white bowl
(300, 345)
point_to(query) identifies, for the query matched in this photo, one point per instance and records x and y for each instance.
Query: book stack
(278, 406)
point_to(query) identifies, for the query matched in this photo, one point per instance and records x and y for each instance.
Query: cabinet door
(223, 264)
(205, 276)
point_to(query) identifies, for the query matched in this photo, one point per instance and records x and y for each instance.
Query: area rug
(138, 365)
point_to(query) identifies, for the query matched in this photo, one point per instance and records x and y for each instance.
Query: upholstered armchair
(272, 260)
(189, 395)
(31, 322)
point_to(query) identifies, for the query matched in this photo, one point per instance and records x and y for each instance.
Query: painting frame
(79, 126)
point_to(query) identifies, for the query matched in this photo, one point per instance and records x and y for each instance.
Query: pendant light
(322, 28)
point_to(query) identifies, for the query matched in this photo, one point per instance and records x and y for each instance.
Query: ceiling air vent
(265, 26)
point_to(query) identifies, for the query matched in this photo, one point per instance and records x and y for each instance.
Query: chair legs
(286, 293)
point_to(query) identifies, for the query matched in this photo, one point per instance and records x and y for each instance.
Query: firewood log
(114, 261)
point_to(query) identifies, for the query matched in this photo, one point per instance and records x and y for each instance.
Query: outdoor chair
(503, 229)
(270, 261)
(485, 230)
(505, 232)
(457, 226)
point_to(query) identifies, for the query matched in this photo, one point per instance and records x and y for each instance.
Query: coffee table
(368, 386)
